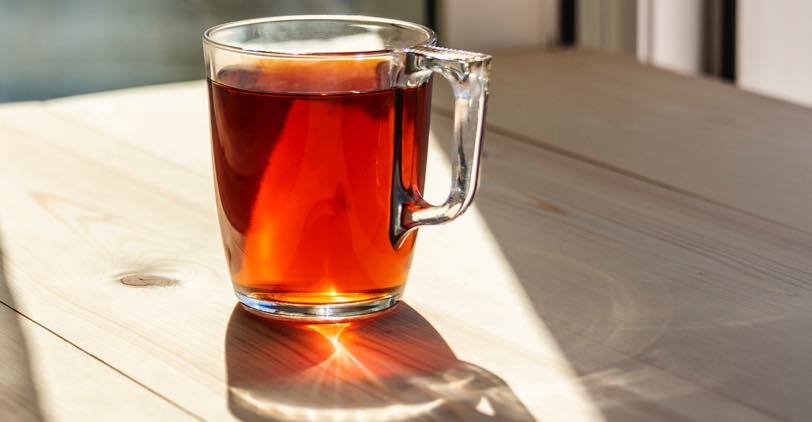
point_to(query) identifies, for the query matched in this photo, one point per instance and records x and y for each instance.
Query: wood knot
(546, 206)
(146, 280)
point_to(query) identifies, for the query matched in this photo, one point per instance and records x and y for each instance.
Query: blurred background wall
(775, 55)
(53, 48)
(762, 46)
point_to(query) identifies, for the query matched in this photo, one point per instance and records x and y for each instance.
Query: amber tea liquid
(304, 185)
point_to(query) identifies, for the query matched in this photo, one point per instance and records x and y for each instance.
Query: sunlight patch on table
(460, 264)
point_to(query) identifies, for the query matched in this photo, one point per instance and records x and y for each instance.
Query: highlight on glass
(319, 138)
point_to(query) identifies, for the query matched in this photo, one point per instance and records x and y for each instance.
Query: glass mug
(319, 130)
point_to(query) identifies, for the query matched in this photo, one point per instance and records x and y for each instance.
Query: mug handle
(468, 75)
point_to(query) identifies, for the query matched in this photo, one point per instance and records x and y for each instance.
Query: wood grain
(120, 221)
(44, 377)
(692, 134)
(709, 295)
(575, 292)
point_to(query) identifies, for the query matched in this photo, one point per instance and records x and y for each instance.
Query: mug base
(308, 312)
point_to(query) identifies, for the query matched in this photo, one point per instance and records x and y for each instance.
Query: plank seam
(103, 362)
(523, 139)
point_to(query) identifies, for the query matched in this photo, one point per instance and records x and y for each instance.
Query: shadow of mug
(395, 366)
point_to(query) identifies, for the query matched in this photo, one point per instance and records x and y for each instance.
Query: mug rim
(430, 35)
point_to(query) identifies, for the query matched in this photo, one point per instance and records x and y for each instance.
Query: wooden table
(639, 250)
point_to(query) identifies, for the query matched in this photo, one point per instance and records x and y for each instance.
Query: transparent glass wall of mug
(319, 139)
